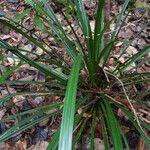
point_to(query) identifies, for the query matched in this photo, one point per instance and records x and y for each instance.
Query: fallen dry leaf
(131, 50)
(22, 145)
(28, 78)
(98, 144)
(118, 44)
(39, 146)
(5, 37)
(80, 110)
(2, 113)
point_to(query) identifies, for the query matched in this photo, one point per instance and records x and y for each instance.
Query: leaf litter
(133, 24)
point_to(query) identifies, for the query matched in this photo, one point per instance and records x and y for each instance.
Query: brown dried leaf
(39, 146)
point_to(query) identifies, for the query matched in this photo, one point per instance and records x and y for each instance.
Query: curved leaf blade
(135, 58)
(65, 139)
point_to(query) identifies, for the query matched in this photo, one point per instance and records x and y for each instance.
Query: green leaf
(8, 72)
(138, 128)
(83, 19)
(48, 71)
(131, 117)
(38, 43)
(104, 130)
(22, 32)
(125, 140)
(22, 15)
(134, 58)
(55, 139)
(66, 131)
(6, 98)
(35, 110)
(30, 2)
(119, 19)
(68, 7)
(85, 26)
(1, 57)
(25, 124)
(38, 22)
(138, 65)
(93, 130)
(77, 42)
(33, 82)
(134, 76)
(58, 28)
(99, 25)
(112, 124)
(79, 133)
(138, 82)
(128, 43)
(103, 57)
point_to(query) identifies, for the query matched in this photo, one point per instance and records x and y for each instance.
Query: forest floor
(38, 136)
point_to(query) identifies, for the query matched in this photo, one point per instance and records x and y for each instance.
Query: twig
(129, 101)
(77, 126)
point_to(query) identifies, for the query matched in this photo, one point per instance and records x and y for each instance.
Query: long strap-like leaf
(48, 71)
(66, 131)
(135, 57)
(112, 124)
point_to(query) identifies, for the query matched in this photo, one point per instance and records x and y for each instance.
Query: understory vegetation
(89, 88)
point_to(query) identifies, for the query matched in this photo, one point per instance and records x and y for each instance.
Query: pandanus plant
(84, 81)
